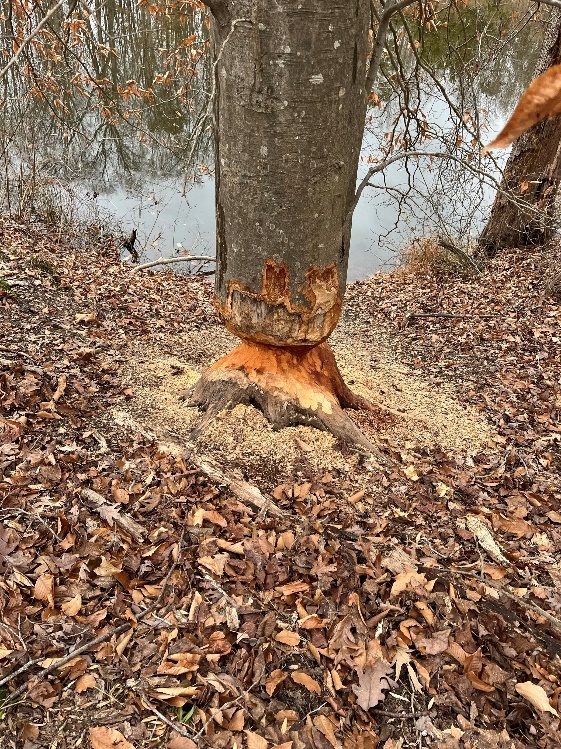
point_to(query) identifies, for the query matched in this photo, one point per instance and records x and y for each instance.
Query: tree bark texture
(290, 107)
(289, 111)
(532, 172)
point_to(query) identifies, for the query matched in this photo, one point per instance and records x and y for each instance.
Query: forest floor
(267, 589)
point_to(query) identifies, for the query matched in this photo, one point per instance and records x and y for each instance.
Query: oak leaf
(372, 680)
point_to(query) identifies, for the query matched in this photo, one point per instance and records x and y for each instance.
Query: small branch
(246, 493)
(365, 182)
(174, 726)
(554, 3)
(166, 260)
(379, 42)
(233, 702)
(450, 316)
(459, 253)
(96, 501)
(554, 621)
(403, 716)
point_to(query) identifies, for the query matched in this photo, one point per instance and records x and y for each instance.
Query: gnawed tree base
(296, 385)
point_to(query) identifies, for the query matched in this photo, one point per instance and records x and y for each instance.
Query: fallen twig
(513, 597)
(246, 493)
(165, 719)
(96, 501)
(458, 252)
(233, 702)
(403, 716)
(450, 315)
(166, 260)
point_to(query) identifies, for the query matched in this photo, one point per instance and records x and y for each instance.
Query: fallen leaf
(87, 681)
(215, 518)
(323, 724)
(276, 678)
(372, 680)
(411, 473)
(216, 563)
(103, 737)
(237, 721)
(44, 589)
(536, 695)
(181, 742)
(287, 637)
(295, 587)
(106, 568)
(72, 607)
(255, 741)
(435, 644)
(415, 581)
(313, 621)
(299, 677)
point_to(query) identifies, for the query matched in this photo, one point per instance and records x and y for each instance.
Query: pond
(126, 156)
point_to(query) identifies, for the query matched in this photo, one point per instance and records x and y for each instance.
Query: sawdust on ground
(414, 412)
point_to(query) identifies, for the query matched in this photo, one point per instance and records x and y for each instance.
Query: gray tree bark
(532, 172)
(289, 116)
(290, 105)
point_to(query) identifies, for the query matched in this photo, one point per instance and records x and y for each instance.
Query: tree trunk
(524, 217)
(289, 110)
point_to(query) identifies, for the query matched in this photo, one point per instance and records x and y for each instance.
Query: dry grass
(428, 257)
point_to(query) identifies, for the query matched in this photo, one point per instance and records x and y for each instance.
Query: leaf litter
(145, 604)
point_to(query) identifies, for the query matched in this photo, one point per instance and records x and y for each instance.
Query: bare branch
(554, 3)
(379, 42)
(489, 178)
(165, 260)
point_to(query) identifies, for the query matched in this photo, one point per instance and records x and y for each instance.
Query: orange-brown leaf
(541, 99)
(103, 737)
(306, 681)
(287, 637)
(44, 589)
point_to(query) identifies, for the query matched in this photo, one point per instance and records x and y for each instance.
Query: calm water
(483, 60)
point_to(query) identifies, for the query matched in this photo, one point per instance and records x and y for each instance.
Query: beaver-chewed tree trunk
(290, 106)
(523, 212)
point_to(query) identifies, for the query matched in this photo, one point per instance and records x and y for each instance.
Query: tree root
(290, 385)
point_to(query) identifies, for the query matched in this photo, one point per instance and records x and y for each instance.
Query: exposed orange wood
(307, 375)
